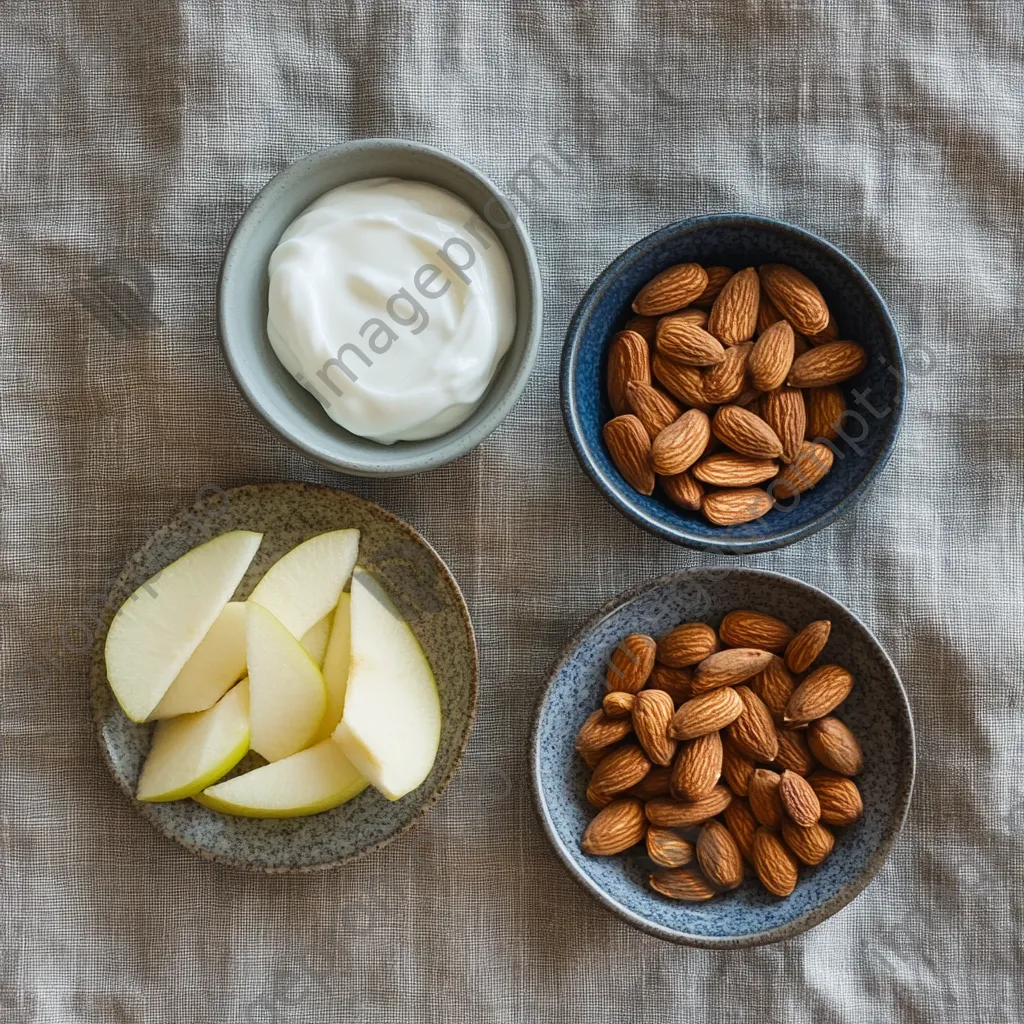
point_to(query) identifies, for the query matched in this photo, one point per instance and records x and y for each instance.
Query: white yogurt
(393, 303)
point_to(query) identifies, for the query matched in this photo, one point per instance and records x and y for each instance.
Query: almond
(682, 490)
(697, 768)
(830, 363)
(745, 628)
(597, 798)
(729, 667)
(707, 713)
(618, 704)
(669, 813)
(687, 644)
(775, 865)
(731, 507)
(774, 685)
(680, 444)
(807, 645)
(793, 752)
(812, 463)
(692, 315)
(734, 313)
(811, 844)
(667, 848)
(831, 333)
(835, 746)
(764, 798)
(822, 691)
(682, 341)
(825, 408)
(796, 297)
(728, 469)
(592, 758)
(742, 825)
(728, 379)
(674, 681)
(619, 826)
(629, 361)
(746, 433)
(783, 410)
(737, 769)
(652, 712)
(798, 799)
(654, 783)
(629, 447)
(631, 662)
(653, 408)
(645, 326)
(838, 796)
(623, 767)
(771, 357)
(682, 884)
(670, 290)
(719, 856)
(753, 733)
(717, 276)
(685, 382)
(600, 731)
(767, 314)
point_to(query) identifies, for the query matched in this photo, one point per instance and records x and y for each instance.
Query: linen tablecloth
(135, 132)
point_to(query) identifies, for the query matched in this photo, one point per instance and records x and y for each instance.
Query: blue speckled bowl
(737, 240)
(876, 710)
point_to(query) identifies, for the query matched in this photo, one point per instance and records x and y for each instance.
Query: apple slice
(287, 697)
(316, 638)
(215, 666)
(391, 725)
(308, 782)
(335, 667)
(305, 584)
(157, 629)
(191, 751)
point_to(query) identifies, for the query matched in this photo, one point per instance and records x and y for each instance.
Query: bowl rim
(810, 918)
(446, 447)
(610, 489)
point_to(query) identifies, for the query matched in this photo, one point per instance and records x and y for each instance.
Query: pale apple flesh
(316, 638)
(335, 668)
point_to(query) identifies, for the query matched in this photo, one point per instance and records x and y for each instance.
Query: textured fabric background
(134, 133)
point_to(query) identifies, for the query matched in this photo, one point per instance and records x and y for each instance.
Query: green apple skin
(335, 667)
(316, 639)
(316, 779)
(193, 751)
(155, 631)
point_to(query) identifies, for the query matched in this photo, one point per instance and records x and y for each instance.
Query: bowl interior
(288, 407)
(423, 590)
(738, 241)
(876, 710)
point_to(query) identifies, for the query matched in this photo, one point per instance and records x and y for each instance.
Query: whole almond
(831, 333)
(697, 767)
(719, 856)
(707, 713)
(629, 447)
(682, 341)
(741, 823)
(746, 433)
(630, 664)
(717, 276)
(669, 813)
(812, 462)
(692, 314)
(645, 326)
(729, 469)
(822, 691)
(682, 884)
(684, 382)
(753, 733)
(737, 769)
(798, 799)
(654, 783)
(592, 758)
(784, 411)
(732, 507)
(734, 313)
(774, 685)
(629, 361)
(811, 844)
(825, 409)
(767, 314)
(683, 490)
(680, 444)
(771, 357)
(746, 628)
(835, 746)
(598, 799)
(775, 865)
(676, 682)
(728, 667)
(763, 794)
(839, 797)
(687, 644)
(796, 297)
(653, 408)
(618, 704)
(600, 731)
(619, 826)
(807, 645)
(727, 380)
(624, 766)
(793, 753)
(830, 363)
(668, 849)
(652, 713)
(670, 290)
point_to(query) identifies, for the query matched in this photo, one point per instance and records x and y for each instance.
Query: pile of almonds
(710, 413)
(721, 748)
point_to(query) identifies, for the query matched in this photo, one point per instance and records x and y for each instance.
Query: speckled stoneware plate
(424, 591)
(877, 711)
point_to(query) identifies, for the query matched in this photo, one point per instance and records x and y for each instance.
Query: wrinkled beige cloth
(134, 134)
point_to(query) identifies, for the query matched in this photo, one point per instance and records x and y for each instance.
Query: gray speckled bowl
(416, 580)
(877, 711)
(287, 407)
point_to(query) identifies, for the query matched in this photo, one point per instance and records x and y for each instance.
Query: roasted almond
(784, 412)
(838, 796)
(774, 685)
(600, 731)
(793, 753)
(682, 341)
(812, 462)
(592, 758)
(835, 746)
(717, 276)
(822, 691)
(825, 409)
(775, 865)
(629, 361)
(746, 433)
(654, 783)
(798, 799)
(629, 447)
(682, 490)
(771, 357)
(680, 444)
(830, 363)
(707, 713)
(693, 315)
(645, 326)
(742, 825)
(734, 313)
(669, 813)
(796, 297)
(745, 628)
(618, 703)
(653, 408)
(697, 767)
(624, 766)
(682, 884)
(619, 826)
(631, 662)
(728, 667)
(767, 314)
(737, 769)
(685, 382)
(735, 506)
(811, 844)
(753, 732)
(652, 712)
(687, 644)
(831, 333)
(668, 849)
(730, 469)
(598, 799)
(807, 645)
(670, 290)
(727, 380)
(719, 856)
(763, 795)
(676, 682)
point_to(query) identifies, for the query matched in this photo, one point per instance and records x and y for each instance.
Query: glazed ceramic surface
(286, 406)
(421, 587)
(738, 241)
(877, 711)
